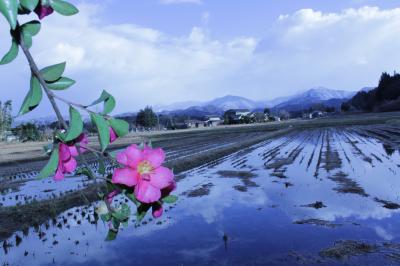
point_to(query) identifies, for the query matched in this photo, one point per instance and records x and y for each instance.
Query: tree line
(385, 97)
(6, 118)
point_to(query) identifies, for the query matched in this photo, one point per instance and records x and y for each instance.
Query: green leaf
(132, 198)
(111, 235)
(116, 223)
(51, 165)
(109, 105)
(29, 4)
(64, 8)
(11, 54)
(33, 97)
(142, 211)
(75, 124)
(170, 199)
(105, 217)
(86, 172)
(9, 9)
(109, 102)
(32, 27)
(104, 96)
(61, 84)
(121, 127)
(102, 166)
(103, 130)
(53, 73)
(122, 213)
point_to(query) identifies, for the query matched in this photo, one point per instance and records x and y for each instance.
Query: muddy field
(302, 196)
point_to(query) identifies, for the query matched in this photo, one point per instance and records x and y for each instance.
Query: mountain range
(217, 106)
(300, 101)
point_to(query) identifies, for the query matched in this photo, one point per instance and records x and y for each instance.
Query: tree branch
(36, 72)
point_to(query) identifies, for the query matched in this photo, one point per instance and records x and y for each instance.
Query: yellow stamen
(144, 168)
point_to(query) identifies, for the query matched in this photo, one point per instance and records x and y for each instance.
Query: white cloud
(140, 65)
(345, 50)
(170, 2)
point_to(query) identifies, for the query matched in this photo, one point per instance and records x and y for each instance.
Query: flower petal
(111, 195)
(161, 177)
(83, 141)
(64, 152)
(155, 156)
(70, 165)
(43, 11)
(125, 176)
(146, 193)
(134, 155)
(157, 210)
(73, 150)
(113, 135)
(59, 173)
(122, 158)
(166, 191)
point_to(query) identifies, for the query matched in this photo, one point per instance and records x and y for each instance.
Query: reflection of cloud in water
(222, 196)
(200, 253)
(383, 233)
(193, 229)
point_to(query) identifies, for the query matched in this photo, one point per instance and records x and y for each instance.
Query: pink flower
(113, 135)
(83, 141)
(157, 210)
(66, 154)
(111, 195)
(143, 170)
(43, 11)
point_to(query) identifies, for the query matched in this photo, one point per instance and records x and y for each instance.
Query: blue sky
(155, 52)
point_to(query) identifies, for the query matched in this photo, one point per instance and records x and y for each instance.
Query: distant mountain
(319, 95)
(40, 121)
(233, 102)
(196, 111)
(222, 103)
(177, 106)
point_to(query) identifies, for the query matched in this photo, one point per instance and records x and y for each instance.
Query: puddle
(327, 196)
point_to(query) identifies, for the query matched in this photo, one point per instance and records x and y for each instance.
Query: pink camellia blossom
(113, 135)
(143, 170)
(83, 142)
(66, 154)
(157, 210)
(43, 11)
(111, 195)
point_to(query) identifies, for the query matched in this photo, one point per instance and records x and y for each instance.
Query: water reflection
(277, 203)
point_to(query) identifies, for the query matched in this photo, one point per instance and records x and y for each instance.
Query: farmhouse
(259, 117)
(194, 123)
(213, 121)
(314, 114)
(235, 115)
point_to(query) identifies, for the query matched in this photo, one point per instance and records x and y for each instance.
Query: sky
(157, 52)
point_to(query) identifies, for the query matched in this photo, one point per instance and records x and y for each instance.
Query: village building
(235, 115)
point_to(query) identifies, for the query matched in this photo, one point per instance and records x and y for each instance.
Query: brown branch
(51, 96)
(36, 72)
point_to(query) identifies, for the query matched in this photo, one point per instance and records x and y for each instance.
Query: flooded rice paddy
(323, 196)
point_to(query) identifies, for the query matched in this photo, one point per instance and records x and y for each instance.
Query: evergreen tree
(147, 118)
(27, 132)
(5, 118)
